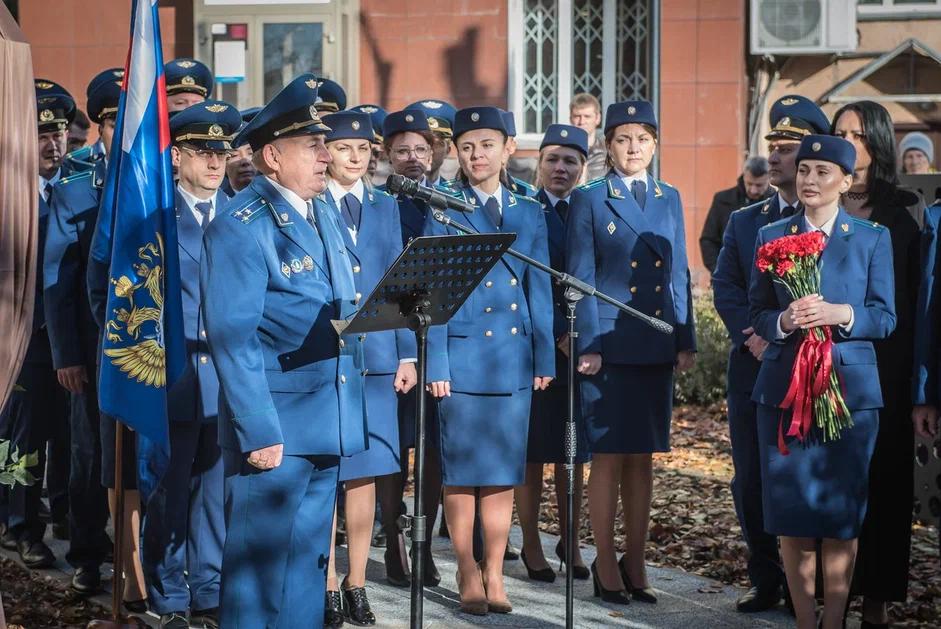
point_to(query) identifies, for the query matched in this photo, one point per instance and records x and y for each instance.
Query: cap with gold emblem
(291, 112)
(331, 97)
(413, 120)
(630, 112)
(208, 125)
(103, 94)
(188, 75)
(794, 116)
(55, 107)
(828, 148)
(440, 115)
(473, 118)
(377, 115)
(348, 125)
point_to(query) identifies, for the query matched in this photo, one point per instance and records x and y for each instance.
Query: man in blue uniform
(188, 82)
(274, 273)
(441, 123)
(377, 116)
(74, 335)
(331, 97)
(36, 410)
(792, 117)
(184, 528)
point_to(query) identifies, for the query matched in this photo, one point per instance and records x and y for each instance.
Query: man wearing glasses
(185, 528)
(440, 117)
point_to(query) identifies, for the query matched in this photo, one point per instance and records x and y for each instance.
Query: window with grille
(558, 48)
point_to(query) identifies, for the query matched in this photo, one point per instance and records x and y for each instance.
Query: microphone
(403, 185)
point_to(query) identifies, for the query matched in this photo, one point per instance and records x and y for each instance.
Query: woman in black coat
(882, 564)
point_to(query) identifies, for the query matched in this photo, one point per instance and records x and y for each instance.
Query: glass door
(289, 49)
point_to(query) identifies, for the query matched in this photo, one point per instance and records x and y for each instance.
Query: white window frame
(516, 60)
(890, 10)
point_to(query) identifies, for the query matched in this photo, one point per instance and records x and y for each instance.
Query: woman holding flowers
(824, 292)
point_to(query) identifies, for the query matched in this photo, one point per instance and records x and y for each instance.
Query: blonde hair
(542, 153)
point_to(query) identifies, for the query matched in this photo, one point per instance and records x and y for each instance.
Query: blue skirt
(627, 408)
(547, 426)
(382, 455)
(407, 410)
(818, 490)
(483, 438)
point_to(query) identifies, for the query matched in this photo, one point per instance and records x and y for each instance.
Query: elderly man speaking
(275, 273)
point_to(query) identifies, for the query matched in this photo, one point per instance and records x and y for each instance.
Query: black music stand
(425, 286)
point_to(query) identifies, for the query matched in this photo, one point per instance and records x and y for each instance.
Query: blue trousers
(764, 563)
(184, 528)
(88, 499)
(274, 562)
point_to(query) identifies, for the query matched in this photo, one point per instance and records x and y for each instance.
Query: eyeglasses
(404, 152)
(207, 155)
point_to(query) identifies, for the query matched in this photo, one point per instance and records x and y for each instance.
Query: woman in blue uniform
(373, 241)
(819, 491)
(626, 236)
(562, 157)
(484, 364)
(408, 141)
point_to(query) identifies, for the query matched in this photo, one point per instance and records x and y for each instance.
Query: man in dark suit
(753, 185)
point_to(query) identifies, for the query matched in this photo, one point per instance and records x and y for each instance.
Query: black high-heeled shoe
(333, 610)
(545, 575)
(396, 560)
(618, 597)
(579, 572)
(136, 607)
(356, 609)
(644, 595)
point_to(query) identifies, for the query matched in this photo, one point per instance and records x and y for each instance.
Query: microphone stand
(575, 290)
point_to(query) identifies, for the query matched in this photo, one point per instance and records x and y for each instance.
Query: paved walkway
(686, 601)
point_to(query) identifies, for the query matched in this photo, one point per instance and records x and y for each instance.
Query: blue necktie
(493, 211)
(352, 211)
(639, 191)
(562, 207)
(203, 207)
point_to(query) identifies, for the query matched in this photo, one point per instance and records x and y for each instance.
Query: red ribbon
(810, 378)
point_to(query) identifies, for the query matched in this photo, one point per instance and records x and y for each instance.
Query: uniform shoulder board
(526, 197)
(250, 211)
(448, 190)
(85, 174)
(869, 224)
(594, 183)
(380, 192)
(664, 184)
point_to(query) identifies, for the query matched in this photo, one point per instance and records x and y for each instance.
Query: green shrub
(704, 384)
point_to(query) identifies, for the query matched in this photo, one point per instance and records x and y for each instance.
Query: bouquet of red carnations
(814, 394)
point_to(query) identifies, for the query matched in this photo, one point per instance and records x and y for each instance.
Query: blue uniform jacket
(270, 288)
(502, 336)
(73, 331)
(730, 283)
(555, 228)
(195, 394)
(637, 257)
(927, 373)
(856, 270)
(378, 244)
(412, 214)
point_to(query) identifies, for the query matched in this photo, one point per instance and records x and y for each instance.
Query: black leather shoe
(579, 572)
(356, 607)
(758, 600)
(60, 530)
(174, 620)
(432, 576)
(86, 580)
(35, 554)
(333, 610)
(644, 595)
(608, 596)
(397, 572)
(546, 575)
(136, 607)
(7, 538)
(512, 553)
(379, 538)
(205, 618)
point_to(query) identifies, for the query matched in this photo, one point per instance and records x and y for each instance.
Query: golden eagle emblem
(144, 361)
(216, 108)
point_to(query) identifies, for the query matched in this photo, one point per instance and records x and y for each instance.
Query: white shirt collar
(191, 200)
(338, 192)
(300, 206)
(630, 179)
(52, 180)
(483, 197)
(783, 204)
(430, 184)
(826, 228)
(554, 200)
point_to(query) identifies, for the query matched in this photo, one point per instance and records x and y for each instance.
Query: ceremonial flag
(143, 349)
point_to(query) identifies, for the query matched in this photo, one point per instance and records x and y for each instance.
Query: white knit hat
(919, 141)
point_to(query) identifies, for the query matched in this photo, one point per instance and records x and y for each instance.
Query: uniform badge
(764, 208)
(284, 216)
(355, 125)
(188, 80)
(816, 146)
(368, 109)
(631, 110)
(611, 228)
(793, 229)
(845, 227)
(432, 123)
(296, 265)
(46, 115)
(285, 269)
(784, 122)
(216, 109)
(308, 263)
(475, 117)
(431, 104)
(564, 133)
(185, 64)
(44, 85)
(311, 83)
(216, 131)
(409, 118)
(313, 112)
(789, 101)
